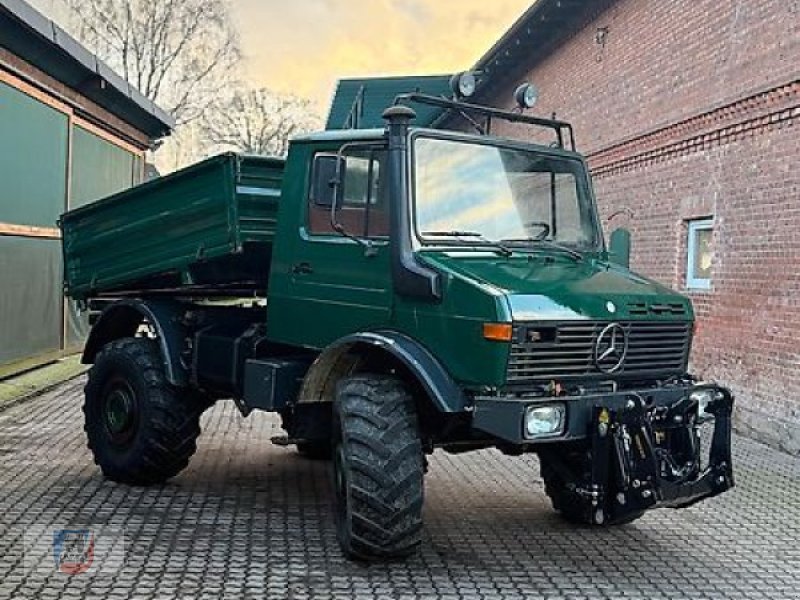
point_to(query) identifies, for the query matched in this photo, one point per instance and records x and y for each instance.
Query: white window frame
(692, 282)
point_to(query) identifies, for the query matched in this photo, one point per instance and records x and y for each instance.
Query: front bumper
(644, 447)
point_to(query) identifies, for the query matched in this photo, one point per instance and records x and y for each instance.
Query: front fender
(123, 318)
(443, 391)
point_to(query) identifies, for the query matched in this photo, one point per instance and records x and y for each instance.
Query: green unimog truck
(389, 292)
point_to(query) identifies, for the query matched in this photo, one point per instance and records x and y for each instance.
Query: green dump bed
(204, 230)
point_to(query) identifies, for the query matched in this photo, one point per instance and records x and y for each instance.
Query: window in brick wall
(700, 254)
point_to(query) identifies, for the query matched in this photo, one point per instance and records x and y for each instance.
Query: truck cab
(427, 289)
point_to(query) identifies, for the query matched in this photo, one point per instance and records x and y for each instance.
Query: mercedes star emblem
(610, 348)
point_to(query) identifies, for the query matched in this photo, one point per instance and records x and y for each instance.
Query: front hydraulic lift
(647, 457)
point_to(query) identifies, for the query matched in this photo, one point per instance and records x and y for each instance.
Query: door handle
(302, 268)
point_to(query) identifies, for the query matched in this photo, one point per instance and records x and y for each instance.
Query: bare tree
(256, 121)
(178, 53)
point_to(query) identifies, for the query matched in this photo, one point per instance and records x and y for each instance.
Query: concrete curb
(29, 385)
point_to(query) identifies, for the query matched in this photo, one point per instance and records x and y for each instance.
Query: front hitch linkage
(645, 457)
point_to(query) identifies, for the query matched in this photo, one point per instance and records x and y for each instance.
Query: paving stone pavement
(251, 520)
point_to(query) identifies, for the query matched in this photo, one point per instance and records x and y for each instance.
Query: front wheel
(140, 429)
(377, 468)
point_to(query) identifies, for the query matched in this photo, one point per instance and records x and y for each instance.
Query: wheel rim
(119, 412)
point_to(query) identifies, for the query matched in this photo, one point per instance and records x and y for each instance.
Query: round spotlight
(463, 84)
(526, 95)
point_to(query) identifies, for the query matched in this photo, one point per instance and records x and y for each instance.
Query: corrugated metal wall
(49, 160)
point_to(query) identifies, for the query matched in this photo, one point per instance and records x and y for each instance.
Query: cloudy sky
(304, 46)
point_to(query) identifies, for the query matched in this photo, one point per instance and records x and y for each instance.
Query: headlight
(545, 421)
(703, 397)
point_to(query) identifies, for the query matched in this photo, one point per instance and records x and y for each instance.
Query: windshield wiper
(548, 243)
(455, 233)
(504, 250)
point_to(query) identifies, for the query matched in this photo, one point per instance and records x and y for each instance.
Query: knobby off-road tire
(565, 502)
(377, 468)
(140, 430)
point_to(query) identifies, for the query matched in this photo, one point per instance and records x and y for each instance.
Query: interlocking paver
(251, 520)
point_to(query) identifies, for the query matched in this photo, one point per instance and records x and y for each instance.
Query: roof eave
(46, 46)
(533, 35)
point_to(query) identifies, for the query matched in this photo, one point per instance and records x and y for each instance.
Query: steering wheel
(545, 229)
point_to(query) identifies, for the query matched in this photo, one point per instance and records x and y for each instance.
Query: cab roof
(375, 134)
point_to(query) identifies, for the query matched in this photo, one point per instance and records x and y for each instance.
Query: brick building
(688, 112)
(71, 131)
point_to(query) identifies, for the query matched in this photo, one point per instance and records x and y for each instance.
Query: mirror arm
(369, 247)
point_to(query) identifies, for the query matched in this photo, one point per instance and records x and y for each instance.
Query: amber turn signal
(497, 332)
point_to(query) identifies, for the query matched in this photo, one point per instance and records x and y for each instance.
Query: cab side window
(363, 209)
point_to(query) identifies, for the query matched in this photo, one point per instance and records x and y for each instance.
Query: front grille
(566, 350)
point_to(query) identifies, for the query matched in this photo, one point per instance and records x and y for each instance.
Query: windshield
(468, 191)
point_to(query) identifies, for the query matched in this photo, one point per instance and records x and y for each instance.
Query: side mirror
(326, 188)
(620, 247)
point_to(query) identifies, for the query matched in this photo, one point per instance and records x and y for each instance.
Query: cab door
(340, 281)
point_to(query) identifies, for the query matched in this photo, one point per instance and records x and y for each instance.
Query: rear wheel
(377, 468)
(139, 428)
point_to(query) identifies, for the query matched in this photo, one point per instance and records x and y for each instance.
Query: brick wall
(690, 109)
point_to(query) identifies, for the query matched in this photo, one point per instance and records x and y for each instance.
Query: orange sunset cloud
(306, 45)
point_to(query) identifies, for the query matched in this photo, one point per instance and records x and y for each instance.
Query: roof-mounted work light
(526, 95)
(463, 84)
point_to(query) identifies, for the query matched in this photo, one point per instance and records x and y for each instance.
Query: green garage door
(33, 179)
(33, 176)
(30, 297)
(33, 160)
(99, 168)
